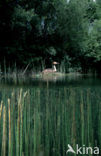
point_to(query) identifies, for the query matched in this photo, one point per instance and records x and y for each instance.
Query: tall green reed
(43, 121)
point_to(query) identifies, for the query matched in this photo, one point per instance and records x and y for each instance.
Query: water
(43, 116)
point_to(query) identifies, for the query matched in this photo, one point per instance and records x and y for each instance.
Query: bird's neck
(54, 68)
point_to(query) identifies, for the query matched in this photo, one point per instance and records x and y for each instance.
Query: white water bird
(51, 70)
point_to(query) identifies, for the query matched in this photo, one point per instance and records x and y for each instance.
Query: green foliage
(43, 31)
(21, 16)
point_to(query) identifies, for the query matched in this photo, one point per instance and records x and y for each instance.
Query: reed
(13, 120)
(1, 107)
(35, 132)
(9, 117)
(21, 103)
(44, 120)
(17, 138)
(4, 137)
(82, 120)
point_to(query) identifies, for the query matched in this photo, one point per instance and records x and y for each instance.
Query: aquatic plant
(43, 122)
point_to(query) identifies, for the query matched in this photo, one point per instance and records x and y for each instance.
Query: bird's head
(54, 63)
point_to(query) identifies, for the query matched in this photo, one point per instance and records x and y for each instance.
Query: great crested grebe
(51, 70)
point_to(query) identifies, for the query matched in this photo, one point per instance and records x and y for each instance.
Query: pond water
(44, 117)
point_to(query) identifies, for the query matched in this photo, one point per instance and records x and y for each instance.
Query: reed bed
(43, 121)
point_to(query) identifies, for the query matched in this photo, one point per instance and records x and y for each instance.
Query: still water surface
(41, 117)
